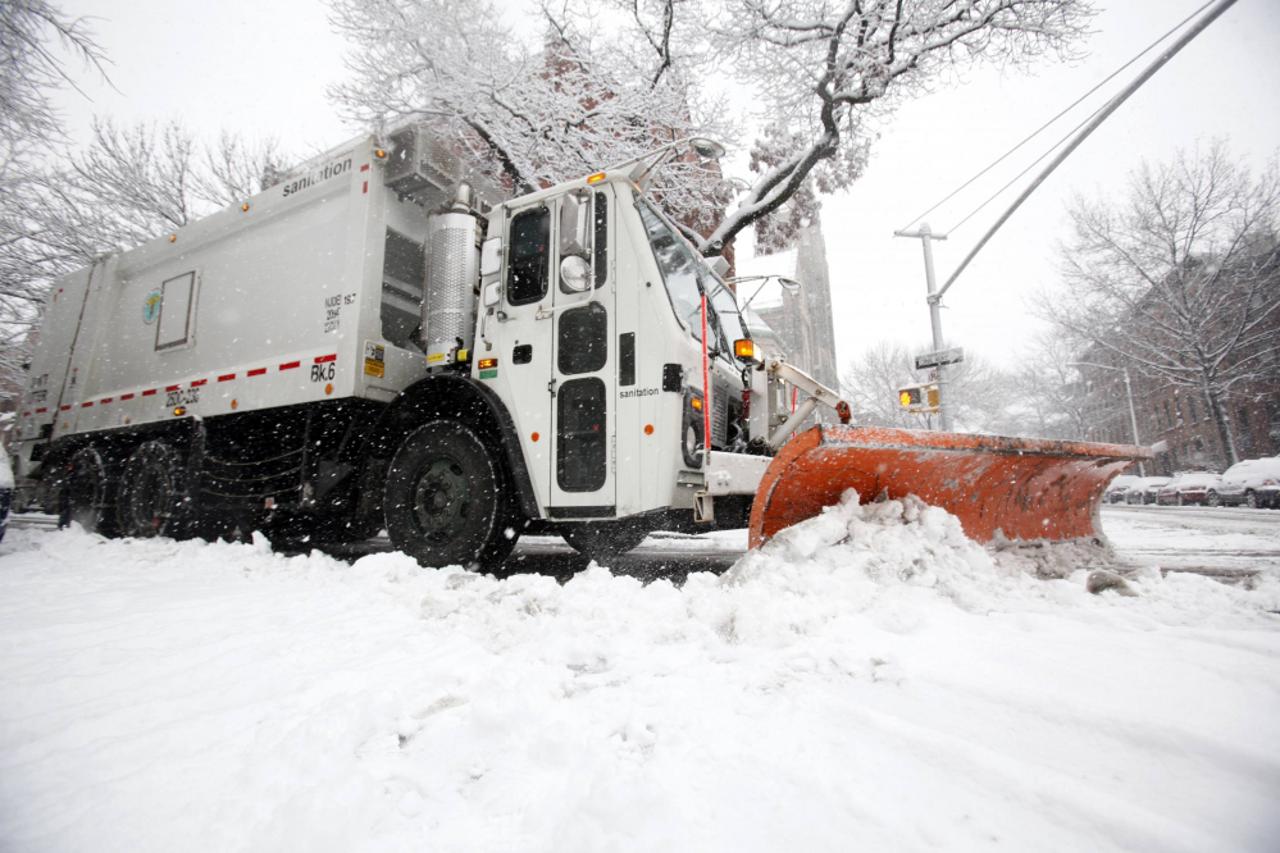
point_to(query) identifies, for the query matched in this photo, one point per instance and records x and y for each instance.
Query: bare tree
(131, 184)
(613, 79)
(985, 399)
(828, 70)
(1181, 278)
(1050, 388)
(30, 71)
(589, 97)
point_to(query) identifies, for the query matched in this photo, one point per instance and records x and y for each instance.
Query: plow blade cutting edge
(1024, 489)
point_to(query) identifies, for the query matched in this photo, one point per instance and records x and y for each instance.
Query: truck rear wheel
(154, 498)
(604, 539)
(447, 499)
(90, 493)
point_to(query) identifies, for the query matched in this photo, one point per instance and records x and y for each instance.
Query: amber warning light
(744, 348)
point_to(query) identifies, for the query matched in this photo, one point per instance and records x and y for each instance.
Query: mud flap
(1023, 489)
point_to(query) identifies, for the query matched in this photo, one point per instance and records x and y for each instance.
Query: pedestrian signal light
(919, 398)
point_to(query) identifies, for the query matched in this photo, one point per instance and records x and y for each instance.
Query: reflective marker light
(744, 348)
(380, 153)
(596, 178)
(904, 397)
(179, 411)
(696, 402)
(487, 363)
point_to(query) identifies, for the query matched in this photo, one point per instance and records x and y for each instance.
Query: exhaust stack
(453, 271)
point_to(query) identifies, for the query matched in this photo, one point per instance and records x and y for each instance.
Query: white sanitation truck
(374, 342)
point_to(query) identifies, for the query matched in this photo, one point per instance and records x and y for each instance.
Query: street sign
(939, 358)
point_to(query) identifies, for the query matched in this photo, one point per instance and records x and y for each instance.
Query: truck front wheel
(447, 499)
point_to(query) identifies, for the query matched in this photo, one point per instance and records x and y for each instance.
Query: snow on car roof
(1270, 466)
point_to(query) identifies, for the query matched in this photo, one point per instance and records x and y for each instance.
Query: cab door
(520, 364)
(583, 371)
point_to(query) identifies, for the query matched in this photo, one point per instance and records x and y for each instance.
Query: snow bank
(870, 679)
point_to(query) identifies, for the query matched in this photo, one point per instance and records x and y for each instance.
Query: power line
(1060, 114)
(1029, 167)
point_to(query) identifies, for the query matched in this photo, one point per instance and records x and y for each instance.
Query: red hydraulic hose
(706, 386)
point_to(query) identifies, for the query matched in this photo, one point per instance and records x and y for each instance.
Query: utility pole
(1128, 392)
(934, 299)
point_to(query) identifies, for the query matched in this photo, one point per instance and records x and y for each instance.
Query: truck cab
(591, 331)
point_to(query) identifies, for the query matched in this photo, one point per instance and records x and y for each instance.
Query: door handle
(551, 386)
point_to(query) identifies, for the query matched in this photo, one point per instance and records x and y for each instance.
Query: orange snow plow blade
(1023, 488)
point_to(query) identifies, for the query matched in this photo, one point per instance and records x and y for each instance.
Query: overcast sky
(261, 68)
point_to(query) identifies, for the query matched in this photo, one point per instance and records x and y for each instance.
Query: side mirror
(575, 224)
(491, 256)
(575, 273)
(492, 294)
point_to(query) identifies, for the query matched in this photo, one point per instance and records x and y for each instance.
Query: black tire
(1212, 499)
(155, 495)
(601, 540)
(1251, 499)
(90, 492)
(448, 500)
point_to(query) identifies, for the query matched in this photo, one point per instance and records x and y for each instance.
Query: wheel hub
(441, 497)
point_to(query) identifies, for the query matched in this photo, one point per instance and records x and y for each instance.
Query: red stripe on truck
(64, 408)
(86, 404)
(172, 387)
(128, 396)
(150, 392)
(105, 400)
(226, 377)
(290, 365)
(257, 371)
(197, 383)
(41, 410)
(325, 359)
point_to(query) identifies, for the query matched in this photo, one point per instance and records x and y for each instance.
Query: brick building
(1178, 419)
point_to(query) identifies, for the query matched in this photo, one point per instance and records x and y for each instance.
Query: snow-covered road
(871, 680)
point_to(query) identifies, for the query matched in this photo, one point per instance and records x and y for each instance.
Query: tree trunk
(1221, 420)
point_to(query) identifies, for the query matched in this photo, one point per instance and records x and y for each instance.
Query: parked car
(1253, 482)
(6, 490)
(1145, 490)
(1191, 487)
(1116, 490)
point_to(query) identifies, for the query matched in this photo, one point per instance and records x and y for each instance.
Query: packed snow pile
(870, 679)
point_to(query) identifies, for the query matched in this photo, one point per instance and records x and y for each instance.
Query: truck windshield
(687, 277)
(727, 312)
(679, 267)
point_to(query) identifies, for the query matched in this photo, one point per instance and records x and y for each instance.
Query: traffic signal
(919, 398)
